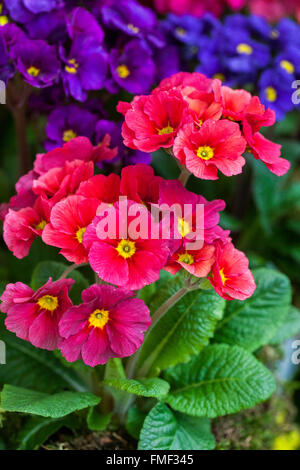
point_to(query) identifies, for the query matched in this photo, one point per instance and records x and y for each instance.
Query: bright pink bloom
(266, 151)
(21, 228)
(239, 105)
(34, 316)
(79, 148)
(58, 183)
(188, 83)
(197, 7)
(196, 262)
(25, 197)
(139, 184)
(231, 277)
(274, 10)
(109, 323)
(151, 122)
(103, 188)
(125, 256)
(217, 145)
(69, 220)
(204, 228)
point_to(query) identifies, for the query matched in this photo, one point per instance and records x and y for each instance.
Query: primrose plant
(162, 337)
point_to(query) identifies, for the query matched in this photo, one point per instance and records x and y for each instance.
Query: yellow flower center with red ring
(205, 152)
(186, 258)
(79, 234)
(126, 248)
(223, 277)
(99, 318)
(165, 130)
(41, 225)
(183, 227)
(48, 302)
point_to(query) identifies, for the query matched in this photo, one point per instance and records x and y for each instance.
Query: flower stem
(70, 269)
(184, 176)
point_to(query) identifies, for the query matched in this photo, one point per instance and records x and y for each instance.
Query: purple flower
(132, 67)
(85, 67)
(81, 21)
(289, 62)
(6, 68)
(37, 62)
(275, 92)
(132, 19)
(66, 123)
(48, 26)
(23, 11)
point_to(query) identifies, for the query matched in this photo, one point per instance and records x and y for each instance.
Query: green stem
(184, 176)
(70, 269)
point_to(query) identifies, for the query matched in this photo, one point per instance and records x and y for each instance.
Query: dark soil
(94, 441)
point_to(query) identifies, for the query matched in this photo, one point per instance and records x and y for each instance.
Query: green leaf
(289, 328)
(253, 322)
(22, 400)
(184, 330)
(164, 429)
(134, 421)
(38, 369)
(37, 430)
(152, 387)
(47, 269)
(2, 444)
(222, 379)
(97, 421)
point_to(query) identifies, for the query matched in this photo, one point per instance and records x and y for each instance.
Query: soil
(94, 441)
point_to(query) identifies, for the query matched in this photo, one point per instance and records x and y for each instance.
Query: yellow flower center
(244, 48)
(220, 76)
(3, 20)
(123, 71)
(69, 135)
(206, 153)
(72, 66)
(99, 318)
(165, 130)
(41, 225)
(133, 28)
(186, 258)
(126, 248)
(48, 302)
(79, 234)
(274, 34)
(183, 227)
(33, 71)
(271, 94)
(223, 277)
(288, 66)
(180, 31)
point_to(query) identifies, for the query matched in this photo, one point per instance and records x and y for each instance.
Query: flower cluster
(197, 7)
(274, 10)
(209, 126)
(66, 52)
(259, 54)
(130, 227)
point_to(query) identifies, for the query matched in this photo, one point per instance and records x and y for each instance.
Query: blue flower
(275, 92)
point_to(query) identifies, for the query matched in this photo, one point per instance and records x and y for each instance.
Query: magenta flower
(34, 316)
(109, 323)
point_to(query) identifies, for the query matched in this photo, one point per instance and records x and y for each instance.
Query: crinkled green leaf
(222, 379)
(253, 322)
(184, 330)
(22, 400)
(164, 429)
(38, 369)
(37, 430)
(153, 387)
(289, 328)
